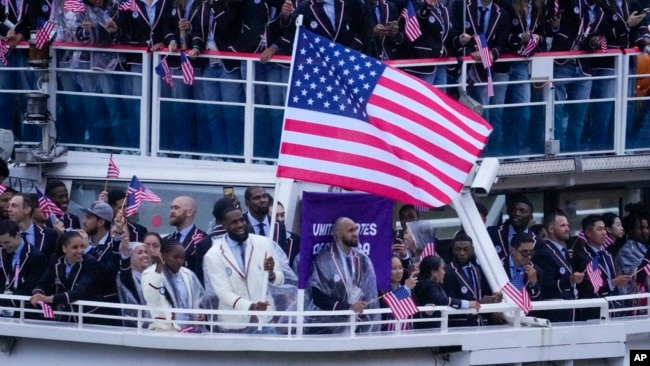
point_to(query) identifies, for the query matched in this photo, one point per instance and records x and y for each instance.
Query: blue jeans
(494, 115)
(177, 127)
(123, 126)
(79, 112)
(268, 122)
(569, 132)
(9, 102)
(601, 132)
(516, 119)
(223, 130)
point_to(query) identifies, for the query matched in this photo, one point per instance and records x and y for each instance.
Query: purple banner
(373, 217)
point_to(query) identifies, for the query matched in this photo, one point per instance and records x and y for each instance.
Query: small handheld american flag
(48, 313)
(412, 27)
(113, 169)
(401, 303)
(186, 68)
(48, 208)
(520, 298)
(4, 50)
(44, 33)
(164, 72)
(594, 274)
(486, 60)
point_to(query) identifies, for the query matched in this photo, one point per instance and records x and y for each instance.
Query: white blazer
(235, 289)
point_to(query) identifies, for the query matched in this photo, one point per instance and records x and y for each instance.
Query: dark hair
(519, 239)
(537, 229)
(220, 206)
(168, 243)
(52, 185)
(115, 195)
(27, 201)
(636, 213)
(228, 210)
(9, 227)
(461, 236)
(152, 233)
(248, 193)
(609, 218)
(589, 222)
(550, 217)
(405, 208)
(516, 198)
(428, 264)
(4, 169)
(64, 239)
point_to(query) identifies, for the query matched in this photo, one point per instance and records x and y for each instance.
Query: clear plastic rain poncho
(423, 232)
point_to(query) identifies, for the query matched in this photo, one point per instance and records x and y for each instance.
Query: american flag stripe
(75, 6)
(595, 275)
(429, 249)
(128, 5)
(44, 34)
(530, 46)
(187, 70)
(412, 27)
(518, 297)
(48, 208)
(3, 188)
(4, 50)
(147, 195)
(48, 313)
(113, 169)
(483, 50)
(646, 269)
(401, 303)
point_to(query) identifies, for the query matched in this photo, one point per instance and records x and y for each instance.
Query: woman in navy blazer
(429, 291)
(73, 276)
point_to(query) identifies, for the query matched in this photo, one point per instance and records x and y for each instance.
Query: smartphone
(228, 192)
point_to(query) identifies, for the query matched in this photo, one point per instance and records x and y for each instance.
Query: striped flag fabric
(401, 303)
(609, 240)
(486, 60)
(48, 313)
(429, 248)
(646, 269)
(132, 199)
(44, 33)
(113, 170)
(75, 6)
(530, 46)
(128, 5)
(147, 195)
(356, 123)
(412, 27)
(164, 72)
(520, 298)
(602, 42)
(187, 69)
(4, 50)
(48, 208)
(3, 188)
(594, 274)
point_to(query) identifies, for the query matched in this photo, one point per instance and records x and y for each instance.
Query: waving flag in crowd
(44, 32)
(113, 169)
(48, 208)
(187, 69)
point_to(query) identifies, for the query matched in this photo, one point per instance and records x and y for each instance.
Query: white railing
(296, 325)
(150, 98)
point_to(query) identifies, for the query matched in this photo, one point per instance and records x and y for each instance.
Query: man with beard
(218, 230)
(234, 270)
(181, 216)
(258, 219)
(464, 280)
(20, 210)
(97, 224)
(343, 278)
(57, 192)
(520, 212)
(553, 258)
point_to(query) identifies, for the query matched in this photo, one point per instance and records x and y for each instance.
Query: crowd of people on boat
(447, 28)
(242, 263)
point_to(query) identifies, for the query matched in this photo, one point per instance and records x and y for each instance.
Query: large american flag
(4, 50)
(401, 303)
(113, 169)
(44, 33)
(75, 6)
(187, 69)
(354, 122)
(48, 208)
(411, 27)
(594, 274)
(520, 298)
